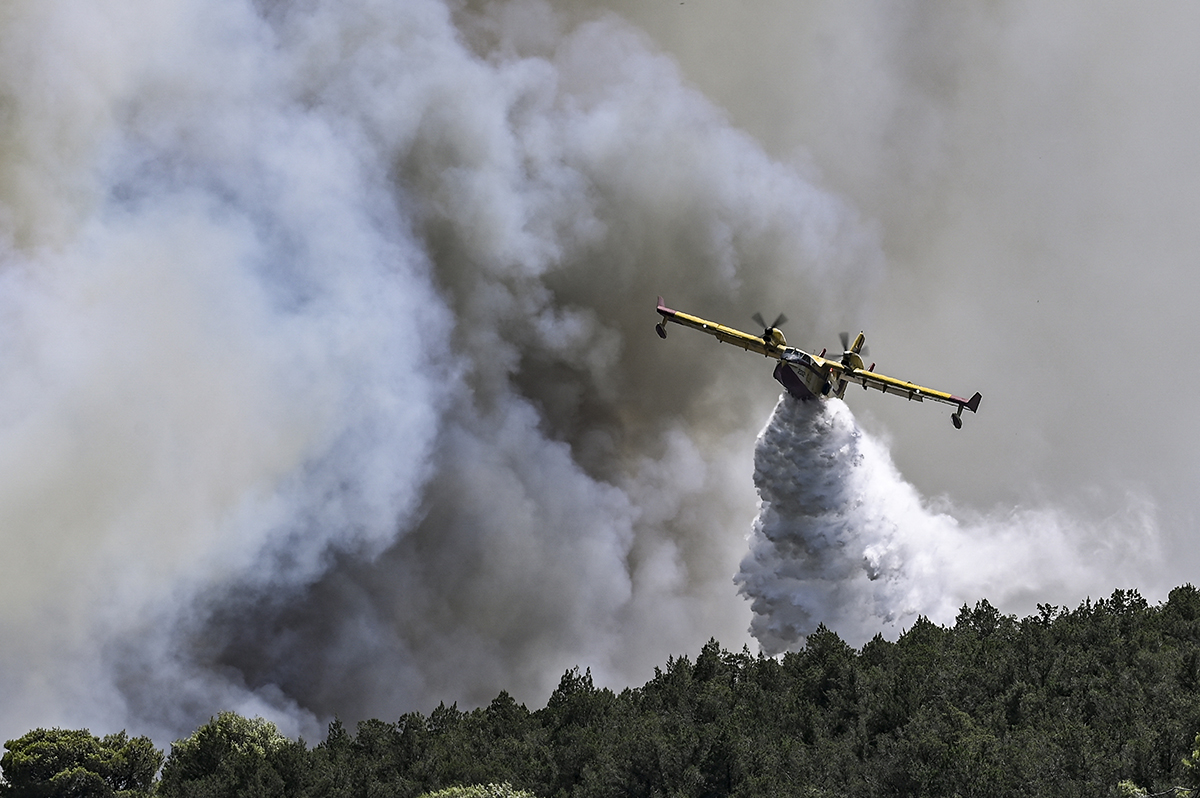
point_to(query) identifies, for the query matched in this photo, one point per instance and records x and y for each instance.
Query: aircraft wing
(886, 384)
(729, 335)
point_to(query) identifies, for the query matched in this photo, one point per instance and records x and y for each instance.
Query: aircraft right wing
(729, 335)
(909, 390)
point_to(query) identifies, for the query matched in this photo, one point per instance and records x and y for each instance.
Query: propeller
(758, 319)
(844, 337)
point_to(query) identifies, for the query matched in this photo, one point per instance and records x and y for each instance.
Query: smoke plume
(329, 381)
(329, 385)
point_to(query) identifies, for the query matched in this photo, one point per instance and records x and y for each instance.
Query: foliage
(235, 756)
(1102, 700)
(1065, 702)
(56, 763)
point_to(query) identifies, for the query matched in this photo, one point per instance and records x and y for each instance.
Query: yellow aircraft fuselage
(807, 376)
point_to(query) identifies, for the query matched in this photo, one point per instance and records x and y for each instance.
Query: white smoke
(329, 383)
(842, 539)
(209, 315)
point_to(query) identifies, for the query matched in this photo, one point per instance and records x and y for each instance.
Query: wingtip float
(807, 376)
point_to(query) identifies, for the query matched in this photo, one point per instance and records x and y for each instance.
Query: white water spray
(842, 539)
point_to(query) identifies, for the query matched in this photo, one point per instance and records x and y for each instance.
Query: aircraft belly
(801, 381)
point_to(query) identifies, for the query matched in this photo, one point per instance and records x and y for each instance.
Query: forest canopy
(1098, 700)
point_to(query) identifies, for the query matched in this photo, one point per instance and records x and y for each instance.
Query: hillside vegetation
(1063, 703)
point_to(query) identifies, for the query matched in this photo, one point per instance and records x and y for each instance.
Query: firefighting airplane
(808, 376)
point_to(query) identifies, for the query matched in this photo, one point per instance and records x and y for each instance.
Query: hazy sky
(1032, 171)
(329, 384)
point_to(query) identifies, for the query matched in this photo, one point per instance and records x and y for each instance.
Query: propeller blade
(845, 339)
(758, 319)
(781, 319)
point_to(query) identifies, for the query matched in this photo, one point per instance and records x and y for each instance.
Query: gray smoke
(842, 539)
(1033, 175)
(329, 380)
(328, 377)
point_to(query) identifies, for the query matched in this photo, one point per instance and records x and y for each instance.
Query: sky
(1031, 172)
(329, 379)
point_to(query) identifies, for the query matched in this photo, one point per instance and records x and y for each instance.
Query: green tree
(235, 756)
(1191, 764)
(54, 763)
